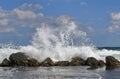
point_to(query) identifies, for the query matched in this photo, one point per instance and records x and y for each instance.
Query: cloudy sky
(100, 19)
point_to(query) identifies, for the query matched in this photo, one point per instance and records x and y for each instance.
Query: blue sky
(99, 18)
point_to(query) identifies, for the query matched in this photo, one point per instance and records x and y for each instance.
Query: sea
(60, 43)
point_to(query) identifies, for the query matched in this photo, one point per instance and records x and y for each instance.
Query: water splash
(60, 40)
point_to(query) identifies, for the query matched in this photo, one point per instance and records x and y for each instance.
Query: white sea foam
(103, 53)
(61, 42)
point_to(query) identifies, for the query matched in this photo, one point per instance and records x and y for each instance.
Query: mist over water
(61, 40)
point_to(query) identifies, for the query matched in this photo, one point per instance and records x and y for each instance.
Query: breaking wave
(61, 40)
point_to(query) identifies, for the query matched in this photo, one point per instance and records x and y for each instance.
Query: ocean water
(61, 42)
(74, 72)
(109, 48)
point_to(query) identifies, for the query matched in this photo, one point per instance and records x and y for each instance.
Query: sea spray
(60, 40)
(6, 50)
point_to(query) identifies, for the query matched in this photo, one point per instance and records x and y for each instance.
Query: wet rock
(112, 62)
(77, 61)
(101, 63)
(33, 62)
(47, 62)
(62, 63)
(5, 63)
(18, 59)
(92, 62)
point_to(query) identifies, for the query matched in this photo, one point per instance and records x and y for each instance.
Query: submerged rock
(112, 62)
(5, 63)
(92, 62)
(47, 62)
(77, 61)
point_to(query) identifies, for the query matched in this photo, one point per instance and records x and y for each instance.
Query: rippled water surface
(76, 72)
(48, 73)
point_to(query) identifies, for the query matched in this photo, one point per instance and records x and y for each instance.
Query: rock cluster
(21, 59)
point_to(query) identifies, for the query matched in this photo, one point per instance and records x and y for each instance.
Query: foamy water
(61, 42)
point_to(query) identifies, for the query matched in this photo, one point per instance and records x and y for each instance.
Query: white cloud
(3, 13)
(31, 7)
(41, 14)
(113, 28)
(7, 30)
(90, 29)
(115, 16)
(22, 19)
(4, 22)
(83, 3)
(115, 23)
(25, 14)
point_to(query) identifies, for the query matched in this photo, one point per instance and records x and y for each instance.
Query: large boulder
(20, 59)
(92, 62)
(5, 63)
(47, 62)
(112, 62)
(62, 63)
(77, 61)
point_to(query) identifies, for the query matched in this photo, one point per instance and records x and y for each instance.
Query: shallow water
(76, 72)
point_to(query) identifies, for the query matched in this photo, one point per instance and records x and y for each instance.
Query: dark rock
(18, 59)
(92, 62)
(77, 61)
(47, 62)
(33, 62)
(101, 63)
(112, 62)
(62, 63)
(5, 63)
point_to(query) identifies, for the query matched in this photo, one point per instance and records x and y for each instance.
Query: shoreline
(20, 59)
